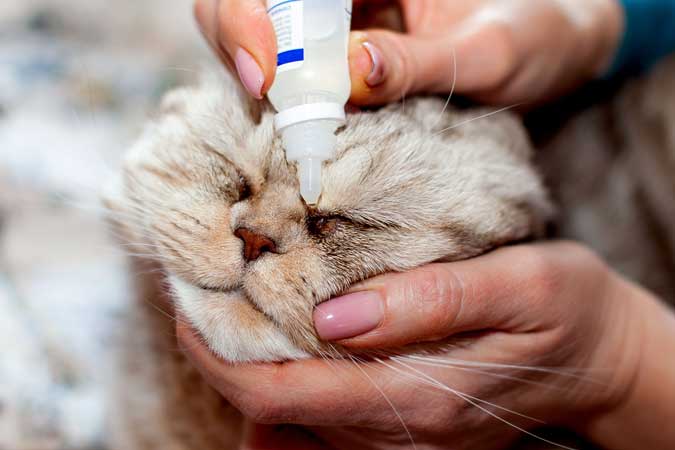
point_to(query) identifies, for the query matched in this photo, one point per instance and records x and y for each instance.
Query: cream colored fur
(400, 194)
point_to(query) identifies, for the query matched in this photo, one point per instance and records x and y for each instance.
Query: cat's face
(208, 192)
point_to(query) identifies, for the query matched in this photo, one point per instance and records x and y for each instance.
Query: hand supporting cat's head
(207, 191)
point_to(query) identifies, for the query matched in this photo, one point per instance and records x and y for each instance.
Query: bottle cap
(310, 143)
(310, 112)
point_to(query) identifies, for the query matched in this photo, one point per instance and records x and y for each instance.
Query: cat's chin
(232, 328)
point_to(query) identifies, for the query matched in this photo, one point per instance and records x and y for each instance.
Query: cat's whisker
(476, 403)
(330, 360)
(452, 89)
(155, 257)
(142, 273)
(562, 371)
(438, 384)
(151, 256)
(140, 244)
(179, 69)
(200, 342)
(489, 374)
(132, 215)
(385, 371)
(171, 317)
(121, 238)
(482, 116)
(340, 356)
(335, 352)
(387, 399)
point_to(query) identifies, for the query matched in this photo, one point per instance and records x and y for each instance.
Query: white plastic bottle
(312, 82)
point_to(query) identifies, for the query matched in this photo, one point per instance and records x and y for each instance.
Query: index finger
(310, 392)
(233, 26)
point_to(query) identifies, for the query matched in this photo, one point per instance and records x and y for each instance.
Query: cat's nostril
(255, 244)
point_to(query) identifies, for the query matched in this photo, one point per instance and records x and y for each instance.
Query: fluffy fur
(399, 194)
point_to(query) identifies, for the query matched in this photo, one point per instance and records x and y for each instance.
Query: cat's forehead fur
(400, 193)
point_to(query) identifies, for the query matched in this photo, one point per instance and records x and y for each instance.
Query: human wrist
(635, 415)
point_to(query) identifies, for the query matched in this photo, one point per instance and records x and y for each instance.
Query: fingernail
(250, 73)
(348, 316)
(378, 71)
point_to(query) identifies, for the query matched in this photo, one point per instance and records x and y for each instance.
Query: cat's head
(207, 191)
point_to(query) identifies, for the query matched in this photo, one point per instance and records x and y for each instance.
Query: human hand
(545, 331)
(496, 51)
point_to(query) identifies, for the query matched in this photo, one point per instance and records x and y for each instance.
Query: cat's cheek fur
(231, 327)
(401, 193)
(286, 288)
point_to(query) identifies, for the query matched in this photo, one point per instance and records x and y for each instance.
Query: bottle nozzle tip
(309, 173)
(310, 198)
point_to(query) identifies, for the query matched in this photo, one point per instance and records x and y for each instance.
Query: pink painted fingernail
(348, 316)
(378, 72)
(250, 73)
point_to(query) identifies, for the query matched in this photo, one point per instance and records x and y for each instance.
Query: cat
(209, 186)
(208, 201)
(208, 193)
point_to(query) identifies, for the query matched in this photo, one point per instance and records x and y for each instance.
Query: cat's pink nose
(255, 244)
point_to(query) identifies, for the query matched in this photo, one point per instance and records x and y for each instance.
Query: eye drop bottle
(312, 82)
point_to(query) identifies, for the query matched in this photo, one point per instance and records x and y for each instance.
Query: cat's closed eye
(243, 188)
(322, 226)
(248, 261)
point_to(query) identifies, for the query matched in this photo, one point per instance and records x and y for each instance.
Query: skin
(546, 305)
(504, 52)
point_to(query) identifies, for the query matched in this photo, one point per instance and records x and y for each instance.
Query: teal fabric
(648, 37)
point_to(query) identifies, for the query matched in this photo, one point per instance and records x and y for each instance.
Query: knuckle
(548, 268)
(543, 272)
(504, 52)
(427, 286)
(505, 35)
(404, 65)
(439, 295)
(427, 289)
(591, 265)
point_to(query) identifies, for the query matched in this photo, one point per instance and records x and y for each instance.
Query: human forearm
(643, 417)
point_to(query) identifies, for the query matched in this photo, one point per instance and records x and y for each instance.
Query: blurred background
(77, 79)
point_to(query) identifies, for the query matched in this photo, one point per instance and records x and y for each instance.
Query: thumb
(509, 289)
(386, 65)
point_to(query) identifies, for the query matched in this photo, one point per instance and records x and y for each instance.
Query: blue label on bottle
(287, 19)
(290, 56)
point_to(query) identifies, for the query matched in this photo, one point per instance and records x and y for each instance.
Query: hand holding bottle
(495, 51)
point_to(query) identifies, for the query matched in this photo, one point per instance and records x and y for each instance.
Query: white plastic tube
(312, 82)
